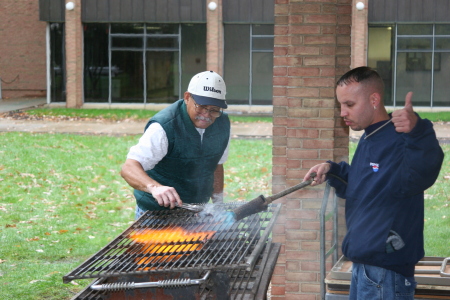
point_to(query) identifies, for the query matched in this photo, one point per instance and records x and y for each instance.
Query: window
(57, 63)
(380, 57)
(412, 62)
(96, 63)
(141, 63)
(248, 63)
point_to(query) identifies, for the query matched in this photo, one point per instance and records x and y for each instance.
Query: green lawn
(62, 199)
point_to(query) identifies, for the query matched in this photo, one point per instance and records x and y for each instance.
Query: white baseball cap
(208, 88)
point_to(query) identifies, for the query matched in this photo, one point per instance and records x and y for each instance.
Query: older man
(180, 156)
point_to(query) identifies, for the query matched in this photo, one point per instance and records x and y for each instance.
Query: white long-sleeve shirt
(153, 146)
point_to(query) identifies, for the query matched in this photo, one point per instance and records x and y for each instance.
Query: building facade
(144, 52)
(286, 54)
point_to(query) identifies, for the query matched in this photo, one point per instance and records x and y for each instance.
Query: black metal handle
(301, 185)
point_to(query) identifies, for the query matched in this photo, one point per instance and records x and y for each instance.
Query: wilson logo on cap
(211, 89)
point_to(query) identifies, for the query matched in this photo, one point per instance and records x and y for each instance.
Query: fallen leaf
(39, 250)
(63, 231)
(50, 274)
(34, 281)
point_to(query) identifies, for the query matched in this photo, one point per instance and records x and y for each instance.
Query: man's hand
(405, 119)
(321, 170)
(217, 198)
(165, 195)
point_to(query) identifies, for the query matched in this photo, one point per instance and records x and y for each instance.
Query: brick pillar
(74, 56)
(312, 50)
(360, 31)
(214, 38)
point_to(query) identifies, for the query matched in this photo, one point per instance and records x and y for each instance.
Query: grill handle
(171, 283)
(443, 267)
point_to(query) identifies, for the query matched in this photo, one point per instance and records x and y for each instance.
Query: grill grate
(210, 240)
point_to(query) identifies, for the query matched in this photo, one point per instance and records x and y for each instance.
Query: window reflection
(420, 59)
(248, 63)
(96, 65)
(57, 65)
(412, 76)
(128, 85)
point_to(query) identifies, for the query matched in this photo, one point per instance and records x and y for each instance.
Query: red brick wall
(360, 31)
(312, 50)
(214, 38)
(74, 56)
(22, 49)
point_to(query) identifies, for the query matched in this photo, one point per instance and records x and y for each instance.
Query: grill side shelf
(262, 241)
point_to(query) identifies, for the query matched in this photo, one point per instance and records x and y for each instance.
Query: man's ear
(375, 99)
(186, 97)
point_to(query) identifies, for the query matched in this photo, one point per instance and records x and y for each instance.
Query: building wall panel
(442, 11)
(150, 10)
(411, 11)
(157, 11)
(137, 11)
(171, 11)
(51, 10)
(248, 11)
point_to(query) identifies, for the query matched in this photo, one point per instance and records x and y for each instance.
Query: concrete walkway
(250, 130)
(22, 103)
(238, 130)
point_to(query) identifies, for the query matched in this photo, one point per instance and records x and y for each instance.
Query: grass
(57, 210)
(437, 212)
(436, 116)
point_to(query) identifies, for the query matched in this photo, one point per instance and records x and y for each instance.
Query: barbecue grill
(178, 254)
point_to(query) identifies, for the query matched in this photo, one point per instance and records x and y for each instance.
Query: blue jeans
(375, 283)
(139, 213)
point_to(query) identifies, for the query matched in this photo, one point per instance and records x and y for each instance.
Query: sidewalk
(238, 130)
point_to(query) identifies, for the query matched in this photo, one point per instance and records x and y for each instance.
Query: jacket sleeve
(337, 177)
(422, 159)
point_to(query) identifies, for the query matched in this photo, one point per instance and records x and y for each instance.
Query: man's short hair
(365, 75)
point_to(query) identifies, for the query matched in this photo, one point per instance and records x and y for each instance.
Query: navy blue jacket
(386, 182)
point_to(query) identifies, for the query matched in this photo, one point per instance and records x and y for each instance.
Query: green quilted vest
(190, 163)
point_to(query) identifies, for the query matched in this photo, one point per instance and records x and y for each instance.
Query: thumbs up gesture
(405, 119)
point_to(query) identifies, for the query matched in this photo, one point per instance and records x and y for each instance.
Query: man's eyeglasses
(201, 109)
